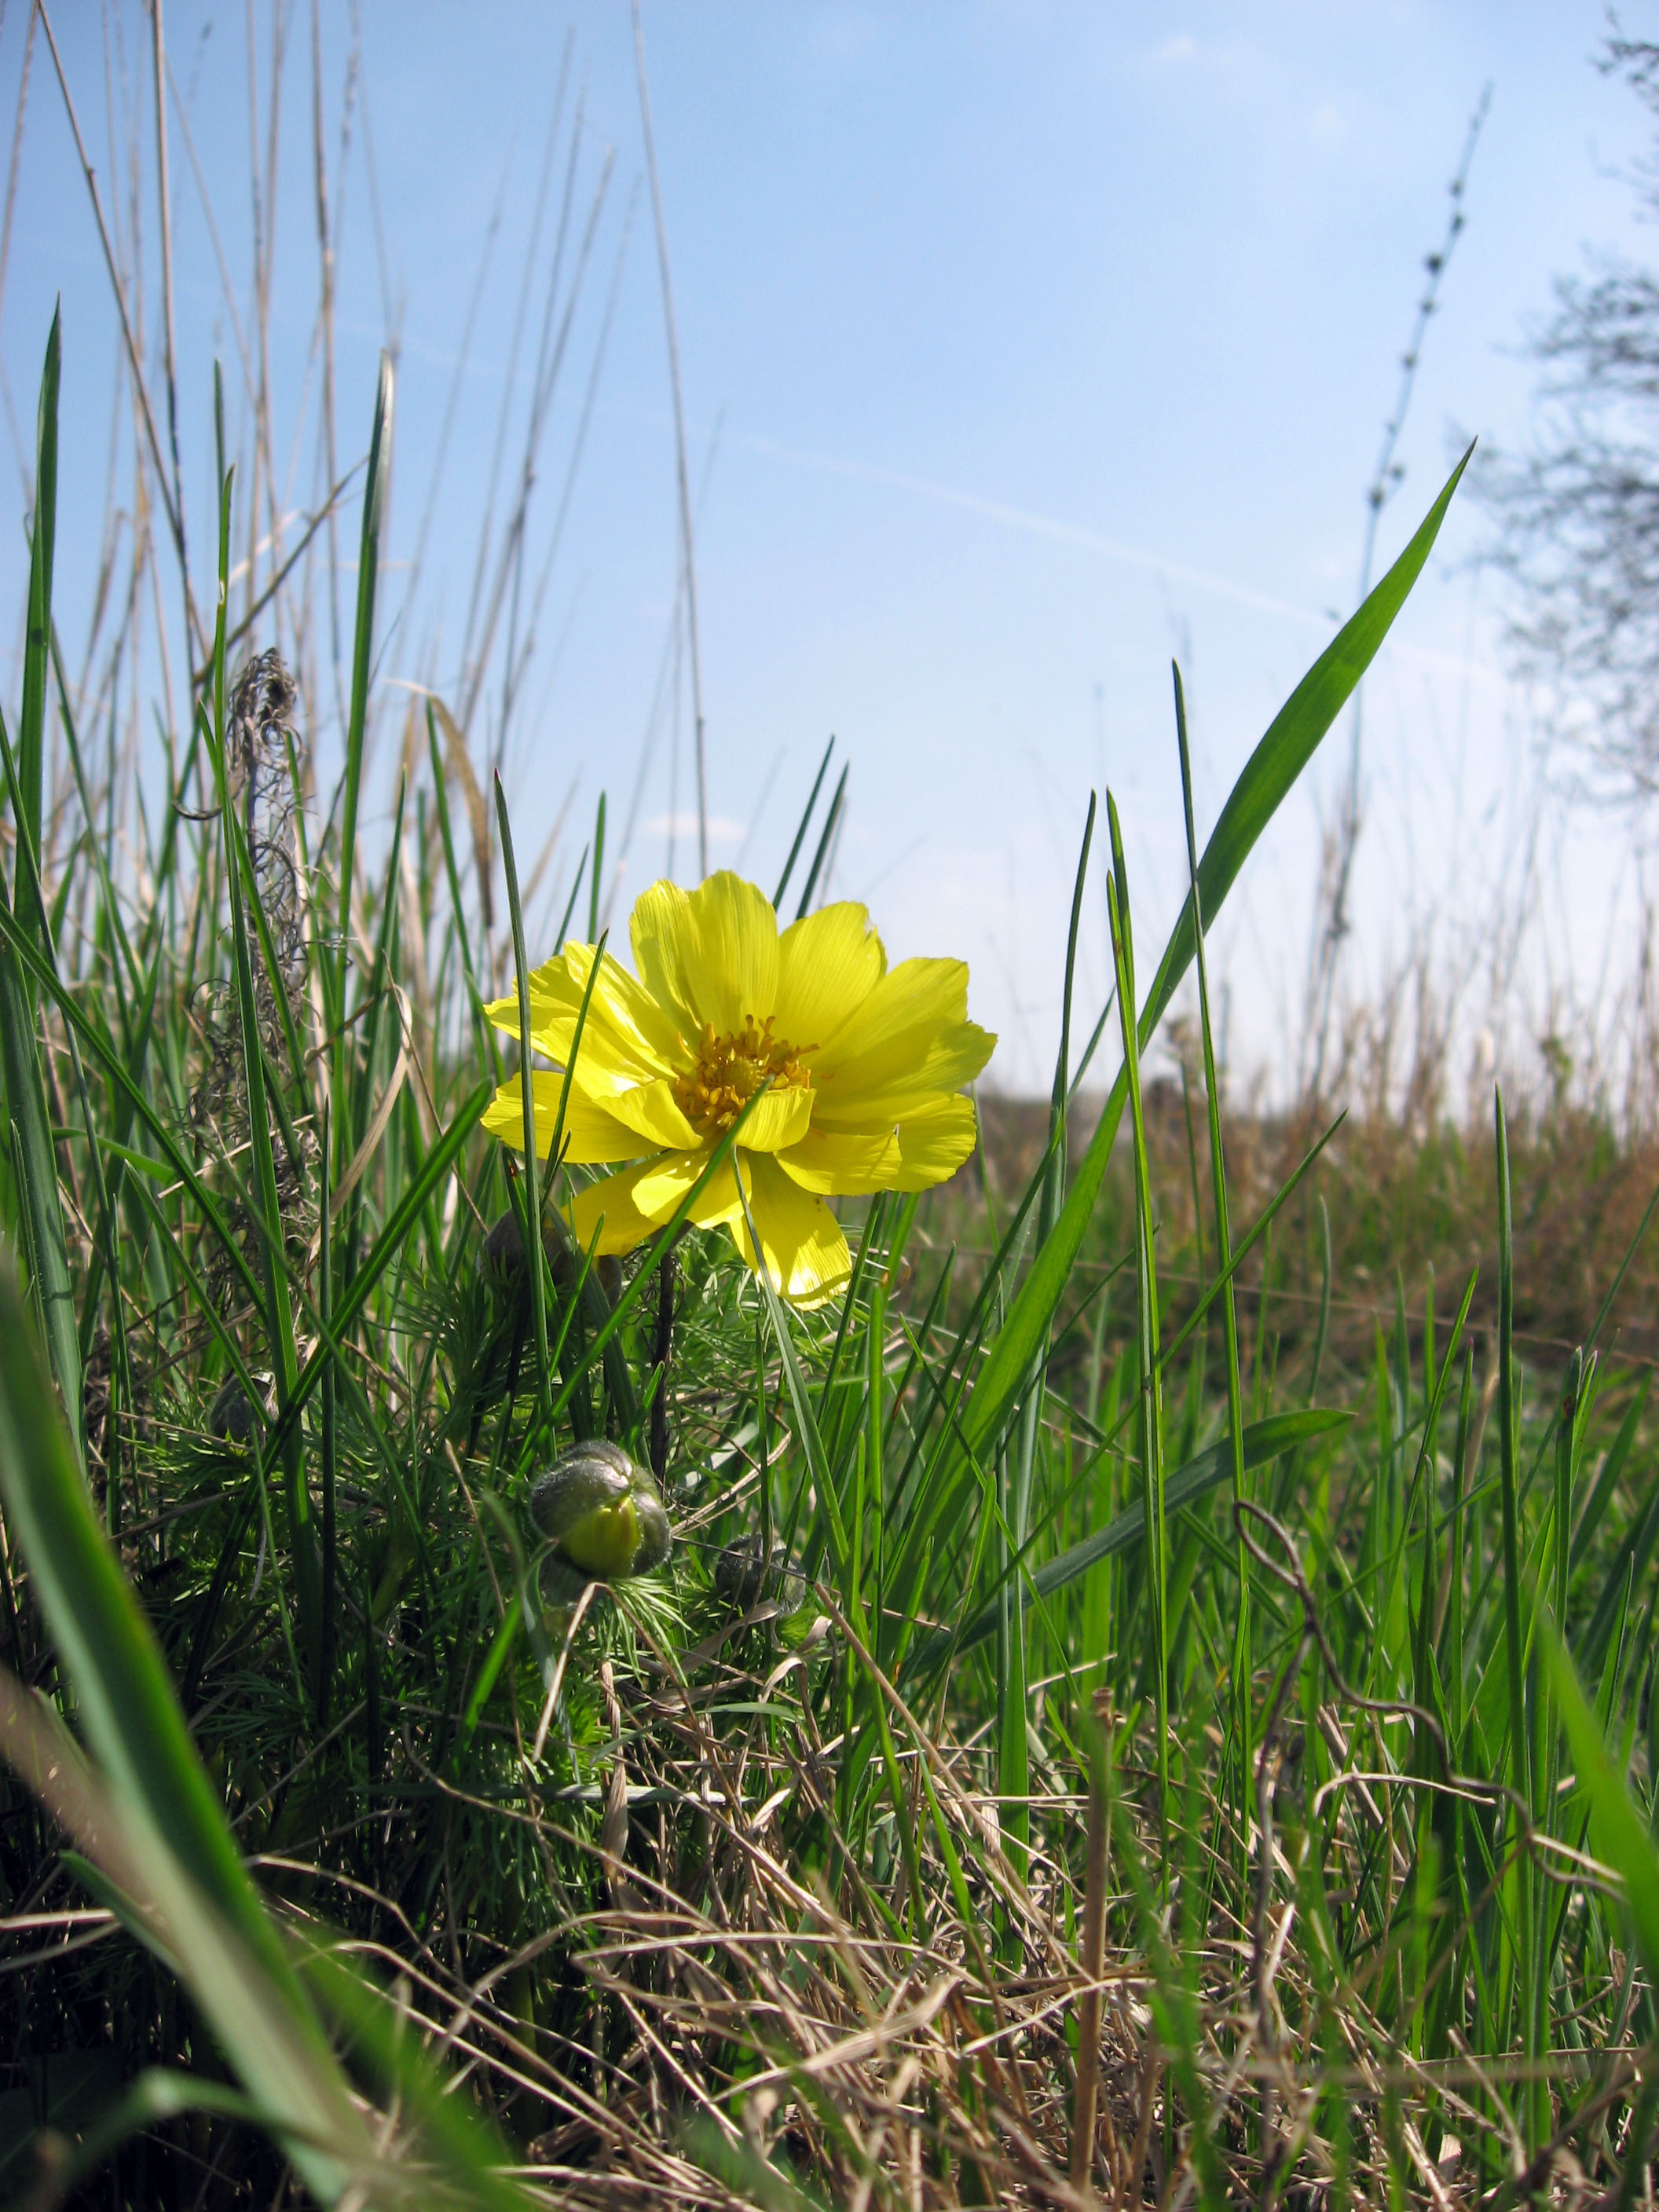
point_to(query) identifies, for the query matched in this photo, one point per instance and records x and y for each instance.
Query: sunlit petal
(626, 1039)
(934, 1143)
(736, 938)
(629, 1013)
(805, 1249)
(595, 1136)
(639, 1201)
(943, 1061)
(668, 1180)
(828, 963)
(855, 1161)
(628, 1222)
(649, 1108)
(911, 1031)
(664, 940)
(926, 1147)
(781, 1118)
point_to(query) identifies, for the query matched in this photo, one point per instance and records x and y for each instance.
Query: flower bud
(500, 1257)
(743, 1580)
(605, 1514)
(230, 1417)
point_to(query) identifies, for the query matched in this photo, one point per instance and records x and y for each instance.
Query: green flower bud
(742, 1579)
(501, 1258)
(230, 1417)
(605, 1514)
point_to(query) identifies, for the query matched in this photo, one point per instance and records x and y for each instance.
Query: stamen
(731, 1068)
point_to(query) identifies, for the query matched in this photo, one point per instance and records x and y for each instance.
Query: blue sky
(1022, 345)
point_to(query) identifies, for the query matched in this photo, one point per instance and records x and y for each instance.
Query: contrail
(1094, 541)
(1036, 526)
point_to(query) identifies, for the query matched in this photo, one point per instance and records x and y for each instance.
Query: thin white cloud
(1094, 541)
(1037, 525)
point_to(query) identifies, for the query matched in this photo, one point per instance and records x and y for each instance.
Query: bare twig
(687, 555)
(175, 520)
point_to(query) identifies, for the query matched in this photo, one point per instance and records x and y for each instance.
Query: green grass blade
(818, 1461)
(103, 1261)
(1612, 1468)
(1619, 1834)
(36, 1165)
(1520, 1764)
(384, 1250)
(450, 2136)
(156, 1123)
(36, 641)
(1263, 1442)
(1243, 1667)
(1150, 1395)
(1453, 1670)
(819, 857)
(596, 878)
(1014, 1756)
(36, 1159)
(801, 827)
(328, 1442)
(484, 1035)
(171, 1830)
(254, 913)
(362, 655)
(1520, 1882)
(536, 1263)
(378, 993)
(1268, 776)
(1632, 1557)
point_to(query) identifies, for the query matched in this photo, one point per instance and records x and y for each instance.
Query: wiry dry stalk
(1091, 1964)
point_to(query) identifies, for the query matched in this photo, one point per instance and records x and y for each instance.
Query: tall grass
(1088, 1740)
(790, 1875)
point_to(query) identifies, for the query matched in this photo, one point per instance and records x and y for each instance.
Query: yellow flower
(864, 1063)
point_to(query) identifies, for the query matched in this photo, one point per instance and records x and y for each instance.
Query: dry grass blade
(460, 762)
(174, 515)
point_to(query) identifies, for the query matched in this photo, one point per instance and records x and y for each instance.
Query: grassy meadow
(1151, 1700)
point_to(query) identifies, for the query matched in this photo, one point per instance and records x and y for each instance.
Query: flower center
(731, 1069)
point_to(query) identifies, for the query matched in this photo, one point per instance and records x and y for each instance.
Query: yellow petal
(625, 1225)
(648, 1032)
(737, 940)
(661, 932)
(926, 1147)
(627, 1038)
(828, 963)
(934, 1143)
(910, 1037)
(595, 1136)
(652, 1108)
(783, 1117)
(851, 1161)
(805, 1249)
(663, 1186)
(638, 1201)
(546, 982)
(954, 1058)
(710, 954)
